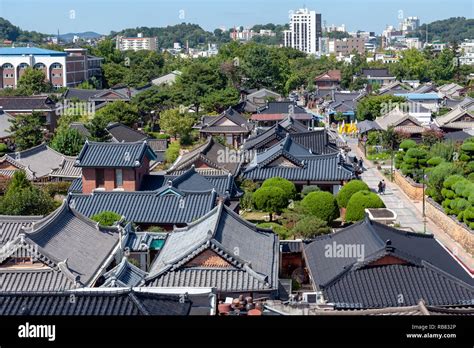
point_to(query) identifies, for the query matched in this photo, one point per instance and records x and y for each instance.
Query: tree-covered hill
(447, 30)
(8, 31)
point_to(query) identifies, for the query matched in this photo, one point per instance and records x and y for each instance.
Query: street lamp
(423, 179)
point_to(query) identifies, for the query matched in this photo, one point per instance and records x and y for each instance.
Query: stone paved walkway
(409, 213)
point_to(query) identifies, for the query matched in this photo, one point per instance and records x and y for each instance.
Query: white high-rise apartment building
(136, 43)
(304, 32)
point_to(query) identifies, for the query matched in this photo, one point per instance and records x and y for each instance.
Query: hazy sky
(102, 16)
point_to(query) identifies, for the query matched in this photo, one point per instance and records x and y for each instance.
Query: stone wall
(407, 185)
(451, 226)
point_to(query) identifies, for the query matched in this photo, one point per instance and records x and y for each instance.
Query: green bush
(270, 199)
(282, 232)
(287, 186)
(434, 161)
(468, 217)
(57, 188)
(246, 202)
(3, 149)
(106, 218)
(443, 149)
(361, 201)
(248, 185)
(163, 136)
(310, 227)
(308, 189)
(414, 160)
(436, 179)
(172, 152)
(322, 205)
(405, 145)
(346, 192)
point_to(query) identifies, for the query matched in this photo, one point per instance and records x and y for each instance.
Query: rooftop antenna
(58, 36)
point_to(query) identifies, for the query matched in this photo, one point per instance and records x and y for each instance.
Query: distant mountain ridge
(84, 35)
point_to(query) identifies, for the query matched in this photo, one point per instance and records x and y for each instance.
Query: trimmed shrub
(270, 199)
(106, 218)
(359, 202)
(322, 205)
(172, 152)
(468, 217)
(246, 202)
(282, 232)
(249, 185)
(405, 145)
(287, 186)
(310, 227)
(436, 179)
(434, 161)
(346, 192)
(308, 189)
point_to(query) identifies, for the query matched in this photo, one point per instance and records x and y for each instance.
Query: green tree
(359, 202)
(287, 186)
(106, 218)
(119, 111)
(176, 123)
(413, 162)
(33, 81)
(348, 190)
(172, 152)
(282, 232)
(28, 130)
(22, 198)
(310, 227)
(220, 100)
(114, 74)
(270, 199)
(322, 205)
(68, 141)
(97, 128)
(371, 107)
(436, 179)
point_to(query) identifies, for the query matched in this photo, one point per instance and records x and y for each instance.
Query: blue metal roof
(20, 51)
(418, 96)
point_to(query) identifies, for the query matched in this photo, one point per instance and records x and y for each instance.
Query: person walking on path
(380, 186)
(361, 165)
(383, 187)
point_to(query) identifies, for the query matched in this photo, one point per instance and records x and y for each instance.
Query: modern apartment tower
(305, 31)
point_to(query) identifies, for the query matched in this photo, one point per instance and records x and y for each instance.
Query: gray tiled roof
(251, 253)
(158, 145)
(26, 103)
(69, 251)
(122, 134)
(42, 161)
(67, 169)
(428, 270)
(306, 167)
(126, 155)
(68, 235)
(81, 128)
(11, 226)
(192, 181)
(147, 207)
(376, 73)
(378, 287)
(124, 275)
(212, 153)
(213, 124)
(42, 279)
(115, 302)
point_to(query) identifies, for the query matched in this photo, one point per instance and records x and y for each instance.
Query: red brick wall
(131, 178)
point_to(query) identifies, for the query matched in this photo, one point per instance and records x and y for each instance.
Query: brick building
(114, 166)
(68, 68)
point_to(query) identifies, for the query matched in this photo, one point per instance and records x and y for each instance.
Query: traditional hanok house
(288, 159)
(402, 122)
(192, 181)
(143, 246)
(12, 226)
(106, 302)
(276, 111)
(210, 158)
(317, 141)
(450, 90)
(40, 163)
(331, 79)
(344, 103)
(466, 103)
(64, 250)
(455, 120)
(97, 98)
(256, 99)
(230, 125)
(26, 105)
(372, 265)
(395, 87)
(381, 77)
(220, 250)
